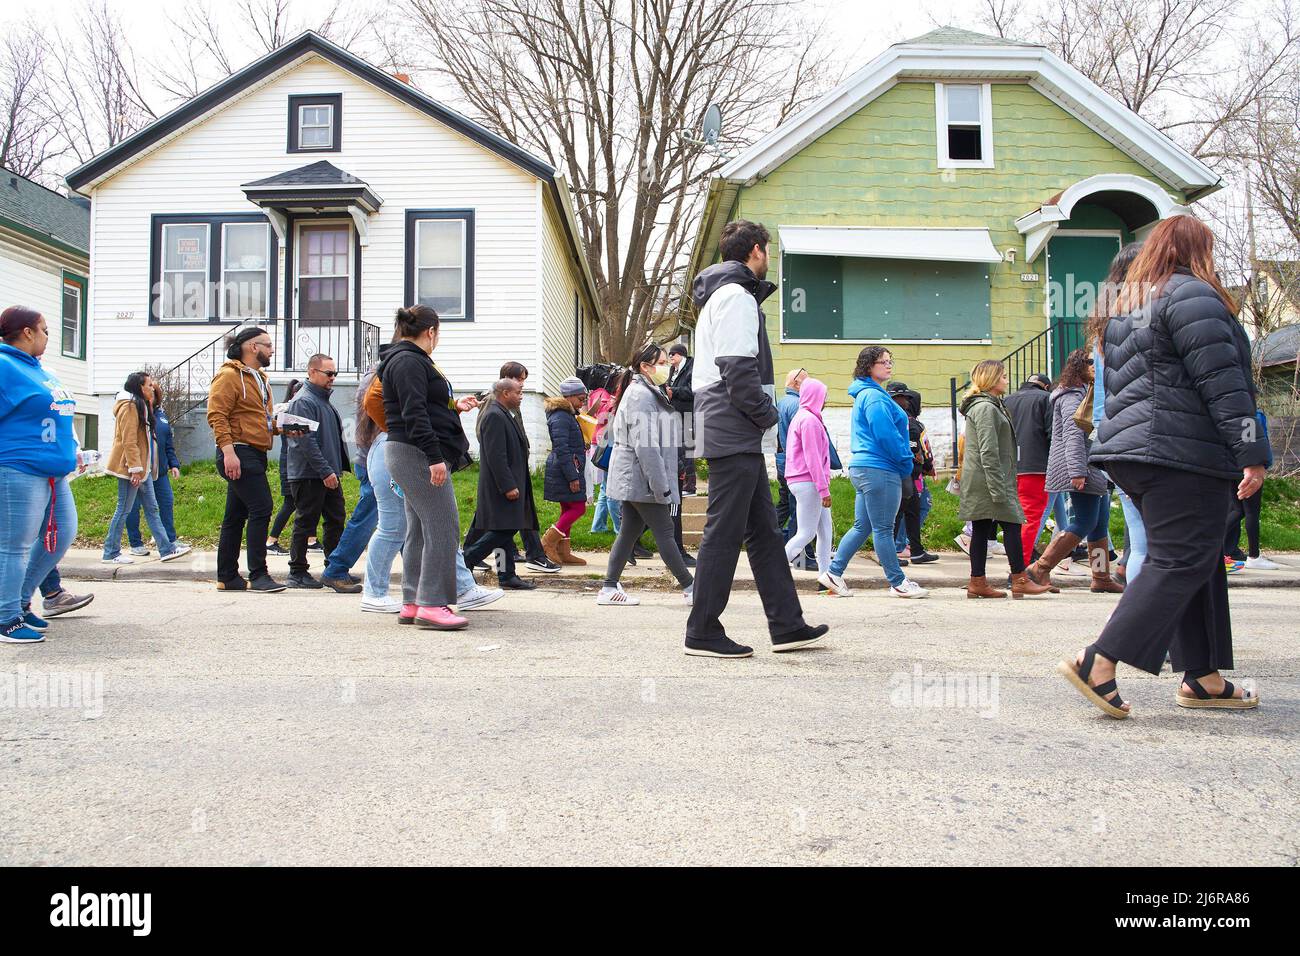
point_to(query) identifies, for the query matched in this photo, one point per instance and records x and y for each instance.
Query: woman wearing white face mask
(643, 473)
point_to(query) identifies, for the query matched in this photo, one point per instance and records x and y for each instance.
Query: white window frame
(464, 264)
(986, 127)
(163, 271)
(350, 276)
(328, 125)
(266, 272)
(74, 287)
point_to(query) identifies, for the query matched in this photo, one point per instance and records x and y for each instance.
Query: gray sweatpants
(432, 528)
(637, 516)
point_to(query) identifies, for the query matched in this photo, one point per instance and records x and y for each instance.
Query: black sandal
(1221, 701)
(1078, 677)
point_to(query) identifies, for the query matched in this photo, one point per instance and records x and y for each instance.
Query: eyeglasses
(1089, 362)
(889, 362)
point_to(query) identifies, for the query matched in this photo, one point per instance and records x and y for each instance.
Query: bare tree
(604, 90)
(28, 140)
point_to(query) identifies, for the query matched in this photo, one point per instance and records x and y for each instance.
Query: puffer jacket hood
(713, 278)
(812, 396)
(559, 405)
(969, 401)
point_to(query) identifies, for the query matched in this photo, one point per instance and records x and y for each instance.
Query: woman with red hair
(1179, 436)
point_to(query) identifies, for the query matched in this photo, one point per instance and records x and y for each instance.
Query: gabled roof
(306, 44)
(971, 57)
(321, 173)
(44, 214)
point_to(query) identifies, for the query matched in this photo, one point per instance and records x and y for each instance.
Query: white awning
(869, 242)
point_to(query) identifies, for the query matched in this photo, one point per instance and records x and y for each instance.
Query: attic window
(963, 114)
(316, 123)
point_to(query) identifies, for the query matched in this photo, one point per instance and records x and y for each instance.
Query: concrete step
(692, 539)
(692, 522)
(696, 504)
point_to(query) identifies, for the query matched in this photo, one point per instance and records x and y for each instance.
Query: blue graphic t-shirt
(36, 413)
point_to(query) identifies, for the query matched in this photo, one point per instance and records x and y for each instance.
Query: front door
(1077, 264)
(324, 267)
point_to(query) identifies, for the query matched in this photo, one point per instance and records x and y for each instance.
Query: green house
(958, 198)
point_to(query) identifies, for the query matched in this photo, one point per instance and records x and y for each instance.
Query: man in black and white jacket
(734, 412)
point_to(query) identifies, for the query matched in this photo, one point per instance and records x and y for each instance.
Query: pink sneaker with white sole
(439, 618)
(407, 614)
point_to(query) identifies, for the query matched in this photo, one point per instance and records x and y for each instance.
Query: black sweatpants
(248, 502)
(740, 510)
(909, 514)
(489, 542)
(532, 541)
(314, 502)
(1179, 603)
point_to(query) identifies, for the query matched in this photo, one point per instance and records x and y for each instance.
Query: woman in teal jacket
(881, 459)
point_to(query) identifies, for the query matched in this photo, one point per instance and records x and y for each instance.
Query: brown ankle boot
(1040, 572)
(1021, 585)
(551, 544)
(566, 551)
(980, 588)
(1102, 582)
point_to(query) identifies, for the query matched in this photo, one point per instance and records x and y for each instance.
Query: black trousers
(785, 515)
(740, 511)
(1179, 603)
(315, 502)
(488, 542)
(986, 530)
(529, 536)
(909, 514)
(1247, 510)
(248, 502)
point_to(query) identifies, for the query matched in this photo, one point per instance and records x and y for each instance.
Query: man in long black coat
(505, 490)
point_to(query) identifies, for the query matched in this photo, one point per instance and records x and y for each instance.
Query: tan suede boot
(1021, 586)
(980, 588)
(566, 551)
(1040, 572)
(1099, 557)
(551, 544)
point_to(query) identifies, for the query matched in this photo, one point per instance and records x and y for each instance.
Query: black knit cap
(237, 343)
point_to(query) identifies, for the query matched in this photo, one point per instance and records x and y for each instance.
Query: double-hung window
(316, 123)
(245, 267)
(211, 267)
(440, 261)
(73, 324)
(963, 125)
(184, 290)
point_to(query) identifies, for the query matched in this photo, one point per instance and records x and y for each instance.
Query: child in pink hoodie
(808, 474)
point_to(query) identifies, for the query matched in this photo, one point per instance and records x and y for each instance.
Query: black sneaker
(276, 548)
(903, 562)
(342, 587)
(238, 584)
(1080, 553)
(925, 557)
(481, 566)
(688, 560)
(265, 584)
(516, 583)
(543, 564)
(304, 580)
(800, 638)
(639, 552)
(721, 647)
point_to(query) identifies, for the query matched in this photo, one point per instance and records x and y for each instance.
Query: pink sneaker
(407, 614)
(439, 618)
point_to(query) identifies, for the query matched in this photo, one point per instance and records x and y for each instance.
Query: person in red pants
(1031, 416)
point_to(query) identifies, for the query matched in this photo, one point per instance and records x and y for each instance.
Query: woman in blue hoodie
(37, 451)
(882, 457)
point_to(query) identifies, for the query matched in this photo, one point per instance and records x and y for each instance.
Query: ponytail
(412, 320)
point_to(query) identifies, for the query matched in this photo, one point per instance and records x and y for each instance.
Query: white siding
(409, 159)
(34, 278)
(561, 282)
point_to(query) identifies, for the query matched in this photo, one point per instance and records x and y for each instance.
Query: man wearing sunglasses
(316, 462)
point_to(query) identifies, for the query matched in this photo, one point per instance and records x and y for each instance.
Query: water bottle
(396, 489)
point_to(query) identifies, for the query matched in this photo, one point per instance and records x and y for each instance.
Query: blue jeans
(127, 494)
(1089, 516)
(900, 539)
(1135, 534)
(606, 508)
(390, 525)
(162, 490)
(52, 584)
(879, 494)
(356, 535)
(1056, 508)
(24, 511)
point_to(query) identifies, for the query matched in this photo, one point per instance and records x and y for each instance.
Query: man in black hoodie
(734, 408)
(1031, 417)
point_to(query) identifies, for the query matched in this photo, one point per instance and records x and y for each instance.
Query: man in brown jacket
(240, 411)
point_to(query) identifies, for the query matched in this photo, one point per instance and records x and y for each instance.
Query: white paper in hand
(283, 419)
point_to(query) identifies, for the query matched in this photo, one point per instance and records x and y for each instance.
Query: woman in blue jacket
(882, 457)
(162, 486)
(37, 452)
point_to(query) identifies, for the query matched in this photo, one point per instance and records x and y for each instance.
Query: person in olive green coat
(988, 482)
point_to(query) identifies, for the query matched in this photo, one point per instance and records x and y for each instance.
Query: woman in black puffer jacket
(1179, 437)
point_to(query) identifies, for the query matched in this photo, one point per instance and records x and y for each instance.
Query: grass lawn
(201, 496)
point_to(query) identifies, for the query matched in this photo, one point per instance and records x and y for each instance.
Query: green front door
(1076, 268)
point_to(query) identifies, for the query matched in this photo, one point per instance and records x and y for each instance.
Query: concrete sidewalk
(950, 571)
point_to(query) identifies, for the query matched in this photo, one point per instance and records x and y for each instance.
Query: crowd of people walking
(1159, 409)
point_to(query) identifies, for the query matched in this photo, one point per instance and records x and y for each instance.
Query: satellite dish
(711, 126)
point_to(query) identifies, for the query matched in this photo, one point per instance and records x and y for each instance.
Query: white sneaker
(689, 596)
(178, 553)
(909, 589)
(835, 584)
(140, 552)
(478, 597)
(963, 541)
(997, 547)
(1262, 564)
(1076, 569)
(120, 559)
(610, 597)
(381, 605)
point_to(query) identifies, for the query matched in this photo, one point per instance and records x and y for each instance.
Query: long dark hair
(293, 388)
(1106, 305)
(1177, 242)
(868, 357)
(1075, 372)
(648, 353)
(143, 407)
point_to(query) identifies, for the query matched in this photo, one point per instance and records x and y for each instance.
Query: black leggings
(1249, 510)
(284, 514)
(986, 530)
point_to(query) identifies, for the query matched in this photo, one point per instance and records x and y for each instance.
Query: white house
(315, 194)
(45, 265)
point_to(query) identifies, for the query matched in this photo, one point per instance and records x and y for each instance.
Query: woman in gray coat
(1068, 471)
(646, 436)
